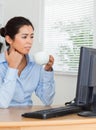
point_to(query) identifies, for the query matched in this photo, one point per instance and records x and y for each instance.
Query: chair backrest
(1, 46)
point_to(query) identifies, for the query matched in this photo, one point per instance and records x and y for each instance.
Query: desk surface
(11, 118)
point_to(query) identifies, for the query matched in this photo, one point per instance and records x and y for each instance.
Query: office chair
(1, 44)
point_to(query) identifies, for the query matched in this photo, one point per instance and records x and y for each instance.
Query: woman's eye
(24, 37)
(32, 36)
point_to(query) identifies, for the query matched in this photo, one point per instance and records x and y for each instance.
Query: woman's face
(23, 40)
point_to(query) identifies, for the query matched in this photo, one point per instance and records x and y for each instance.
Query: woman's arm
(46, 87)
(7, 86)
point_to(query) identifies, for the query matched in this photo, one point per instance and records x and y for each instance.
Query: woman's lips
(28, 47)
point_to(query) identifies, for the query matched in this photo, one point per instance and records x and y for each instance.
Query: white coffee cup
(41, 57)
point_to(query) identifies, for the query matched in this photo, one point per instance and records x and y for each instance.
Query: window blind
(68, 25)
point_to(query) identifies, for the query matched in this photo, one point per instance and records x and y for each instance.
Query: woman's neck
(22, 65)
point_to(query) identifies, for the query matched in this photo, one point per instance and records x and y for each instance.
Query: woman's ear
(8, 39)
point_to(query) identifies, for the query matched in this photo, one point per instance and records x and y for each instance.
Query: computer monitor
(86, 82)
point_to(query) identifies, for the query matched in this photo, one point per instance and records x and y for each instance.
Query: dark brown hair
(13, 25)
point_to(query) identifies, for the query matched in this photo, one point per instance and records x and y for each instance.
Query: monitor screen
(86, 82)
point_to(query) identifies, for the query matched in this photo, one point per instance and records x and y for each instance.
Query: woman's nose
(29, 40)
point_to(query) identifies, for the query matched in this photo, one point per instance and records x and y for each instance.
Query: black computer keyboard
(53, 112)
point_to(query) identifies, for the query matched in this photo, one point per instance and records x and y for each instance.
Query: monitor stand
(89, 113)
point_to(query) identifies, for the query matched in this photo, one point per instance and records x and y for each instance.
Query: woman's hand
(48, 66)
(13, 58)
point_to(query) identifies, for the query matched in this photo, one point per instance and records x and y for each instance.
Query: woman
(20, 76)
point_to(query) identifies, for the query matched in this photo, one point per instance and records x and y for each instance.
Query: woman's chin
(26, 52)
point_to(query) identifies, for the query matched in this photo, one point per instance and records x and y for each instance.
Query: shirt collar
(2, 57)
(30, 59)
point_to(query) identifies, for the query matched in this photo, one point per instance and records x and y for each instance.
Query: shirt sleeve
(7, 87)
(46, 87)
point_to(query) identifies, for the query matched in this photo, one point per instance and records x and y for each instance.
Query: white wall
(26, 8)
(65, 85)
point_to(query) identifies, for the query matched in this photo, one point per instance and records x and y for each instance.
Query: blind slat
(68, 25)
